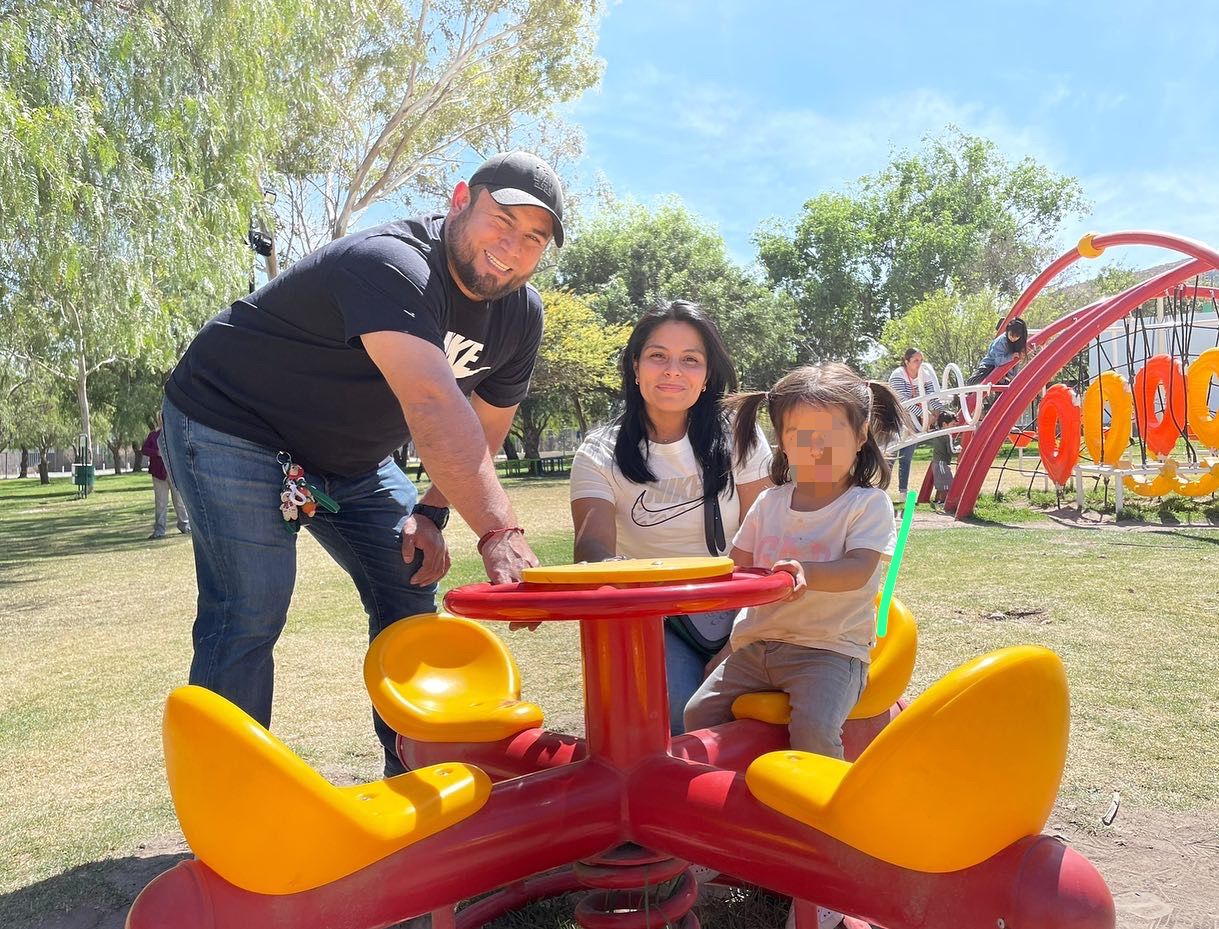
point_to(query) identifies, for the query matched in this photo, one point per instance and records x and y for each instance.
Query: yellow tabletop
(630, 571)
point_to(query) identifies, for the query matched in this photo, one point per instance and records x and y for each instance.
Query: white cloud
(738, 158)
(717, 124)
(1184, 202)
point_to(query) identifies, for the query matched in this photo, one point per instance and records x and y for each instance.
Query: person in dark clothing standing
(286, 408)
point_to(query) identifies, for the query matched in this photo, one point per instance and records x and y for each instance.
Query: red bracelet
(491, 533)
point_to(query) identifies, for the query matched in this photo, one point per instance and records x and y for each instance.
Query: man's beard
(462, 258)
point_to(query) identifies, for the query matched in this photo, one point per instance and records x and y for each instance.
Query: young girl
(1009, 344)
(829, 522)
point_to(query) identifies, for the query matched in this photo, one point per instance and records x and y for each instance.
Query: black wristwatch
(437, 514)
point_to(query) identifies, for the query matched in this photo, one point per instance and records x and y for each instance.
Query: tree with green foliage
(576, 374)
(129, 395)
(40, 417)
(627, 259)
(12, 380)
(132, 140)
(537, 413)
(947, 327)
(578, 359)
(411, 86)
(956, 212)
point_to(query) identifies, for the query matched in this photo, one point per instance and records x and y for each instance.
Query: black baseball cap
(523, 179)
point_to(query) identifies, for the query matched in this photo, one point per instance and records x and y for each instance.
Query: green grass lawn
(95, 630)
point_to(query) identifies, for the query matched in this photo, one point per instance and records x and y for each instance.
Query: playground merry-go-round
(933, 819)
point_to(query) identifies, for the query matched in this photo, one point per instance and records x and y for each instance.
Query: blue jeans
(684, 673)
(245, 557)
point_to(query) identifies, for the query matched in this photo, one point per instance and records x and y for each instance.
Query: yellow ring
(1112, 388)
(1163, 483)
(1202, 486)
(1197, 387)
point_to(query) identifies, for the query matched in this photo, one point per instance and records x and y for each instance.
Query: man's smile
(496, 264)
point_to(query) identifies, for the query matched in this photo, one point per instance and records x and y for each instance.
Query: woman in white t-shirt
(637, 486)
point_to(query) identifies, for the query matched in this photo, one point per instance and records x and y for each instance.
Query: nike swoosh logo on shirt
(641, 515)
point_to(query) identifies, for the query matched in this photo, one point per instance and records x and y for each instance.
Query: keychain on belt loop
(298, 495)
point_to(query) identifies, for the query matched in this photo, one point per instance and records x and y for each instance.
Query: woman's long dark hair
(705, 424)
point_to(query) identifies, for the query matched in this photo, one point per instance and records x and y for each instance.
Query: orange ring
(1160, 435)
(1059, 408)
(1197, 388)
(1109, 388)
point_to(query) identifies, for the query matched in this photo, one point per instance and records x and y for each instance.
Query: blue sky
(747, 109)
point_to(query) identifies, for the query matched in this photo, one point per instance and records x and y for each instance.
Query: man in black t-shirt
(423, 326)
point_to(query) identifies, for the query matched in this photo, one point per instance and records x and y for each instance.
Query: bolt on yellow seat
(970, 767)
(441, 678)
(631, 571)
(260, 817)
(892, 664)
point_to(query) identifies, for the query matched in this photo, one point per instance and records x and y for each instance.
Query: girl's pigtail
(887, 420)
(744, 407)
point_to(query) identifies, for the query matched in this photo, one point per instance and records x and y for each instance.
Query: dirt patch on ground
(1161, 868)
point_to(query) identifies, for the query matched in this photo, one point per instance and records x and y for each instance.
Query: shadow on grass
(54, 533)
(93, 896)
(50, 492)
(1193, 537)
(17, 489)
(987, 522)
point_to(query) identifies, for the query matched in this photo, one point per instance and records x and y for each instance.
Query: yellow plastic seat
(258, 815)
(889, 673)
(970, 767)
(1157, 485)
(441, 678)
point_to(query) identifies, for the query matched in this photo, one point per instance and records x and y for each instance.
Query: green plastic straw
(882, 615)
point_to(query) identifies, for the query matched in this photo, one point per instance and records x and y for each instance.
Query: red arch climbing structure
(1060, 342)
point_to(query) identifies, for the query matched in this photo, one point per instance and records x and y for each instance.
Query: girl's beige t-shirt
(843, 621)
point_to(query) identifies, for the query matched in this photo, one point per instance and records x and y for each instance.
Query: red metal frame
(1070, 335)
(568, 800)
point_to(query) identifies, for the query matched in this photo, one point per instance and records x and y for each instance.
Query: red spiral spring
(636, 889)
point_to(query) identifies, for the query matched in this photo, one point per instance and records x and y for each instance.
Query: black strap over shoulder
(713, 521)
